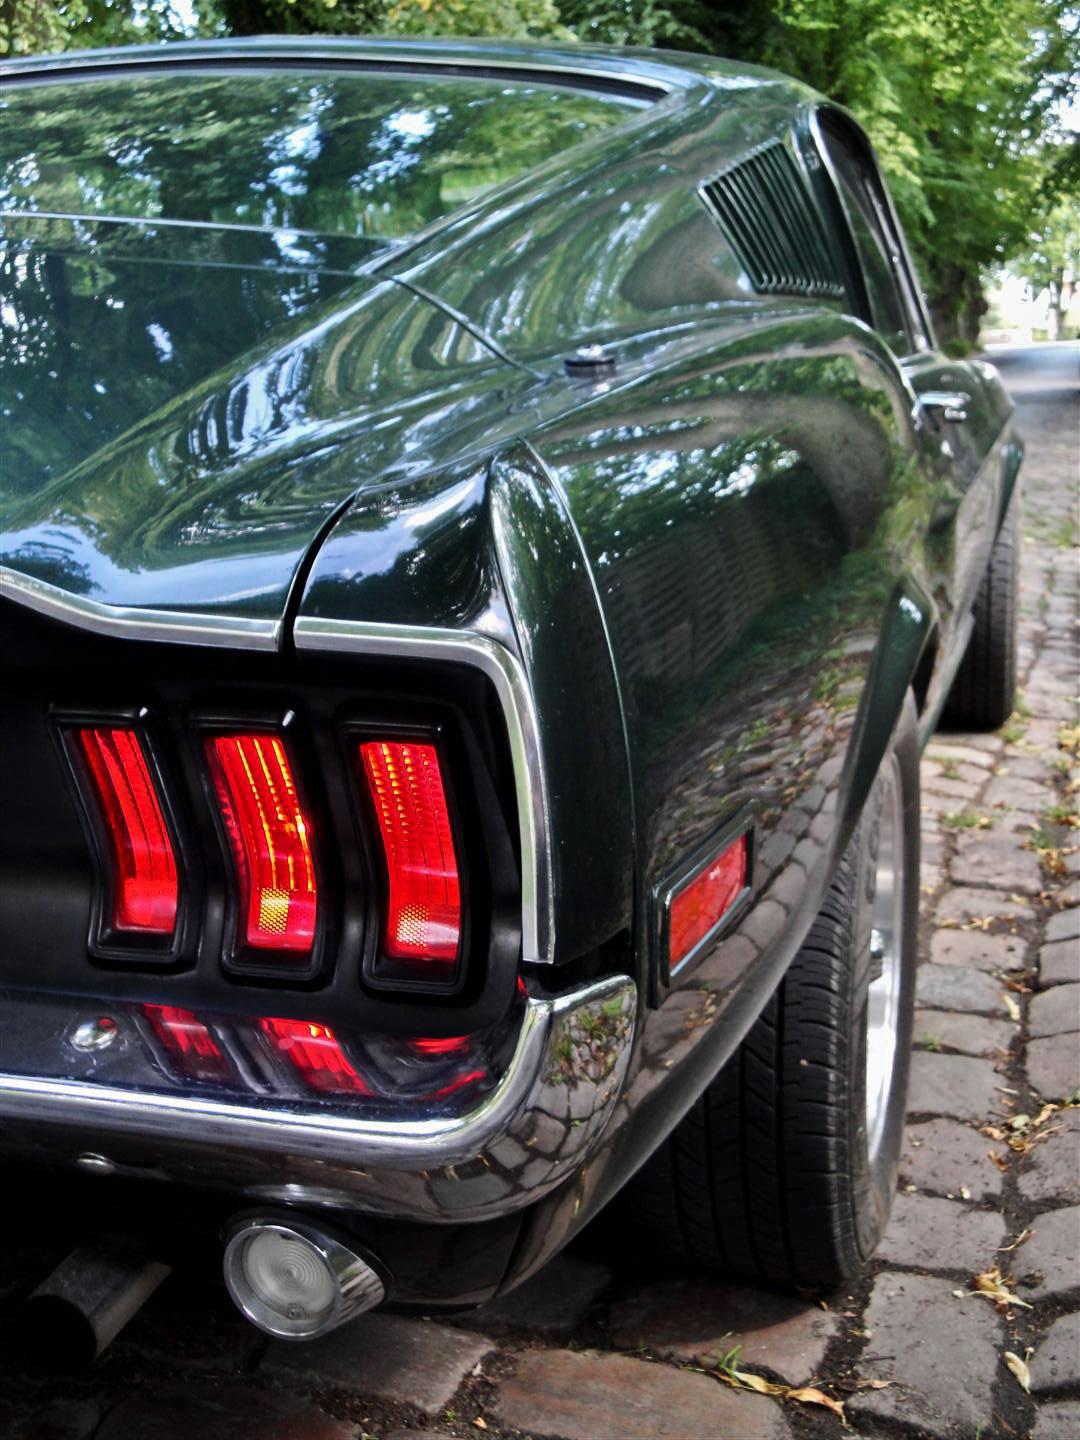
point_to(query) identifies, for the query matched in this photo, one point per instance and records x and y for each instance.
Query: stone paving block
(414, 1361)
(688, 1319)
(231, 1412)
(1055, 1012)
(1057, 1358)
(955, 1085)
(580, 1395)
(1051, 1169)
(558, 1298)
(975, 950)
(964, 902)
(962, 754)
(948, 987)
(1059, 963)
(1057, 1421)
(1065, 925)
(941, 1234)
(943, 1155)
(1053, 1065)
(985, 858)
(1050, 1261)
(1070, 895)
(941, 1353)
(973, 1034)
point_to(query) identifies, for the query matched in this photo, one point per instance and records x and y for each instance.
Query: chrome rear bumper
(536, 1126)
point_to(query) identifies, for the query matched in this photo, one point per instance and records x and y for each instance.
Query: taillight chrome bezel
(240, 960)
(106, 943)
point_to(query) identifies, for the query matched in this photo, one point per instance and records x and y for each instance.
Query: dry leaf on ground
(1019, 1369)
(991, 1284)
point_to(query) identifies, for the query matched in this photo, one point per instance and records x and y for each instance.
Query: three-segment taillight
(270, 839)
(144, 889)
(281, 899)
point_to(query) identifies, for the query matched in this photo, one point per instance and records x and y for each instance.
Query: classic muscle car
(487, 531)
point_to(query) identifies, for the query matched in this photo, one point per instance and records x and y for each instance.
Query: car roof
(640, 73)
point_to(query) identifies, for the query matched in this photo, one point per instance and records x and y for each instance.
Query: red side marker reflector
(704, 902)
(315, 1054)
(145, 889)
(424, 905)
(270, 837)
(188, 1043)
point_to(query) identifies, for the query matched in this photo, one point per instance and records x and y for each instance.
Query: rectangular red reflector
(270, 837)
(701, 904)
(315, 1054)
(423, 920)
(188, 1043)
(145, 889)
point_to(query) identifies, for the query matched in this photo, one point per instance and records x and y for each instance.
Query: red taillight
(423, 920)
(145, 888)
(441, 1045)
(270, 838)
(701, 905)
(315, 1054)
(187, 1042)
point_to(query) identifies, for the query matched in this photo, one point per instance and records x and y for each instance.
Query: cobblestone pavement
(599, 1346)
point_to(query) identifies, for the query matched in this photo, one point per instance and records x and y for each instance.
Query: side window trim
(914, 314)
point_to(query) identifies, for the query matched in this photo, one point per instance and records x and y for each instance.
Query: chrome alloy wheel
(886, 950)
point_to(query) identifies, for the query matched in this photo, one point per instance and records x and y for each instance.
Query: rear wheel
(984, 690)
(784, 1170)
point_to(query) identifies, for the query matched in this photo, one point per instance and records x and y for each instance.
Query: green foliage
(962, 98)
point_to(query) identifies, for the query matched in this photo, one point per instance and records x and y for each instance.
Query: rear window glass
(358, 154)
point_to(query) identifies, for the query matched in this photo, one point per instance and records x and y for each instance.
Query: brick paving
(600, 1345)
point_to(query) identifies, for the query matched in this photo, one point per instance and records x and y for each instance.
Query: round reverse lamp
(294, 1281)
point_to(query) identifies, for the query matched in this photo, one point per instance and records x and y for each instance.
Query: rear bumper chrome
(529, 1133)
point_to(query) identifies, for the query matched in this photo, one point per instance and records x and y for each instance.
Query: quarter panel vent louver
(764, 208)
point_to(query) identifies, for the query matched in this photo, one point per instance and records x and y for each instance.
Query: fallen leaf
(965, 1193)
(1019, 1369)
(1011, 1006)
(991, 1284)
(1000, 1161)
(480, 1423)
(808, 1395)
(749, 1381)
(1021, 1239)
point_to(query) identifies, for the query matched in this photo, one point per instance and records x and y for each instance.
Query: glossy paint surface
(720, 564)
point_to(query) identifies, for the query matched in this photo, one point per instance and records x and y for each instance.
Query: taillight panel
(271, 842)
(145, 886)
(422, 883)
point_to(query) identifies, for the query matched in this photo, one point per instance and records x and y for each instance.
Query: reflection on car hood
(184, 408)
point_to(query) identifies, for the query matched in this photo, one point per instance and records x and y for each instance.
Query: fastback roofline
(637, 73)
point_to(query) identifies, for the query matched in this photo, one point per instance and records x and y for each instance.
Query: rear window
(352, 154)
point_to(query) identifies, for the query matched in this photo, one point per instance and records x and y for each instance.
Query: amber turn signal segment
(699, 907)
(423, 884)
(144, 884)
(270, 839)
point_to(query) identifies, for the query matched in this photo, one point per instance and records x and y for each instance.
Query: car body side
(717, 566)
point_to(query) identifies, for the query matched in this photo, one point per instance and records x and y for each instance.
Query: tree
(1054, 258)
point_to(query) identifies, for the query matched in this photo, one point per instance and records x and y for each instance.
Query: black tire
(984, 691)
(770, 1177)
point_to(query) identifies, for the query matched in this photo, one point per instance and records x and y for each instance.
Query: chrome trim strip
(181, 627)
(550, 1107)
(504, 670)
(650, 76)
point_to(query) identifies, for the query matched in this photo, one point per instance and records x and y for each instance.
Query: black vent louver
(766, 211)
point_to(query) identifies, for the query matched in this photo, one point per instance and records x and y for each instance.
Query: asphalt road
(602, 1344)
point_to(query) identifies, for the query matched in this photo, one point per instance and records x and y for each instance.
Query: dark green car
(487, 531)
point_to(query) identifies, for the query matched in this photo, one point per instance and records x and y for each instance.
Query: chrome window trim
(134, 622)
(504, 670)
